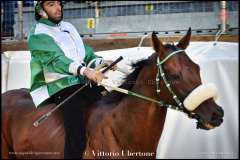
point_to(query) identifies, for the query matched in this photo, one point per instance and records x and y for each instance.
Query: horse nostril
(216, 119)
(219, 121)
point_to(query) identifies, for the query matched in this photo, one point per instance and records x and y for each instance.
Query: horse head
(179, 77)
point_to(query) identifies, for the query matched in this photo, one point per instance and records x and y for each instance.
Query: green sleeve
(89, 55)
(44, 49)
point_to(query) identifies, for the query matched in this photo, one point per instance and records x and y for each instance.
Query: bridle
(187, 106)
(161, 74)
(180, 106)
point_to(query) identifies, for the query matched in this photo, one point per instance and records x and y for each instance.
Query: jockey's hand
(93, 75)
(108, 62)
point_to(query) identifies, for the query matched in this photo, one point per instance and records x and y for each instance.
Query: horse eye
(174, 77)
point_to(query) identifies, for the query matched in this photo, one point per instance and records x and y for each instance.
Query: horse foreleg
(7, 152)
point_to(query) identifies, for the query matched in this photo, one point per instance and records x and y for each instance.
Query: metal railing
(103, 19)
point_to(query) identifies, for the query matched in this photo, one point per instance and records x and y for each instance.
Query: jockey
(59, 61)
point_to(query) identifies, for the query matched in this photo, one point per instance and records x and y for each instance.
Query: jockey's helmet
(39, 11)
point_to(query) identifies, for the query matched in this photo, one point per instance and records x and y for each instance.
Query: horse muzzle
(206, 124)
(212, 114)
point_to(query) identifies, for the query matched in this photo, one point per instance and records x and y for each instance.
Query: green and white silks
(57, 51)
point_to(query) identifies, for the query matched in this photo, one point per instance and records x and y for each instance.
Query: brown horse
(117, 126)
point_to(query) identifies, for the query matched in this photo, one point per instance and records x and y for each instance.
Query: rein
(160, 74)
(190, 103)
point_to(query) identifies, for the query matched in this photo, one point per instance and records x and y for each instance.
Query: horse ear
(184, 42)
(157, 44)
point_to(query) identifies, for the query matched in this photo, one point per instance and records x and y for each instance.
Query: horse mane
(116, 97)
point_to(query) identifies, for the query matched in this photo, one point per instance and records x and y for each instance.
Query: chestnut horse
(118, 125)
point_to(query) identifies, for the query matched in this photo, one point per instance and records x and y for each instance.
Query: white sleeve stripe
(73, 67)
(82, 70)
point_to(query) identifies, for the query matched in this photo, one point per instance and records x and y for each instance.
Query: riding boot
(74, 123)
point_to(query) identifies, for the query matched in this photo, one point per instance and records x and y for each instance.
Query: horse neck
(145, 119)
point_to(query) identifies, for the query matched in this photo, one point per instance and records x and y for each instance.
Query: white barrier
(17, 66)
(180, 138)
(4, 64)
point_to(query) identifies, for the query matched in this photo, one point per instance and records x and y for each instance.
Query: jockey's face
(54, 10)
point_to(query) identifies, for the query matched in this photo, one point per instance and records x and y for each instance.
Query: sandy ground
(108, 44)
